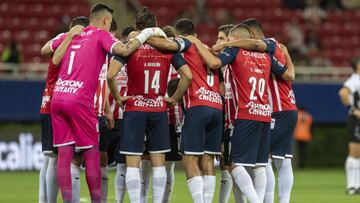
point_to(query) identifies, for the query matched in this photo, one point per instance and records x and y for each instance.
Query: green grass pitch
(311, 186)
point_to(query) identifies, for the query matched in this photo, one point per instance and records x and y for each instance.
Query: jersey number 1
(155, 83)
(71, 62)
(261, 87)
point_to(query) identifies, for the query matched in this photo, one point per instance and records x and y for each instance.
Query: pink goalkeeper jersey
(81, 65)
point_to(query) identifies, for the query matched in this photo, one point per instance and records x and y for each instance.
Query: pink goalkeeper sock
(65, 155)
(93, 174)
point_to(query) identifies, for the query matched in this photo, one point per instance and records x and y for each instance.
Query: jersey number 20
(155, 82)
(260, 84)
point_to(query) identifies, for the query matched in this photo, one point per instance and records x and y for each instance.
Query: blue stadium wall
(20, 101)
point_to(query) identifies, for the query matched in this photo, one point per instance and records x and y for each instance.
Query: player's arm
(185, 79)
(115, 65)
(221, 83)
(177, 45)
(46, 49)
(60, 51)
(345, 95)
(290, 70)
(108, 114)
(128, 48)
(247, 44)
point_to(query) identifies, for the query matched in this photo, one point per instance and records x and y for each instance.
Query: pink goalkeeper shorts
(74, 123)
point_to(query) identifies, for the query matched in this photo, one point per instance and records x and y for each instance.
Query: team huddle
(158, 96)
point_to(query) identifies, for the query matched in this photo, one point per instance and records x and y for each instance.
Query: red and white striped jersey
(230, 102)
(101, 90)
(175, 113)
(52, 75)
(282, 97)
(122, 87)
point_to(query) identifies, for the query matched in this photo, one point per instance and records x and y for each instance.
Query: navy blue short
(155, 125)
(282, 130)
(250, 143)
(104, 134)
(202, 131)
(353, 128)
(47, 135)
(174, 154)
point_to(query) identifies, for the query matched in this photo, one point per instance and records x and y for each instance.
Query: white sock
(209, 188)
(225, 187)
(238, 195)
(270, 184)
(145, 180)
(158, 183)
(133, 184)
(244, 182)
(42, 180)
(285, 179)
(52, 187)
(196, 186)
(104, 184)
(259, 180)
(75, 182)
(170, 180)
(350, 166)
(357, 175)
(120, 183)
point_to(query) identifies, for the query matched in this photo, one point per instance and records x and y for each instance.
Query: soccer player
(203, 124)
(250, 141)
(350, 97)
(284, 117)
(145, 110)
(74, 121)
(229, 111)
(48, 181)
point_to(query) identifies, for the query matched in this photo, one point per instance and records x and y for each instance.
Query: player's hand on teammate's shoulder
(154, 32)
(76, 30)
(217, 48)
(192, 38)
(170, 101)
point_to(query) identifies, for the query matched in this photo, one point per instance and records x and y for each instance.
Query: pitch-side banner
(21, 153)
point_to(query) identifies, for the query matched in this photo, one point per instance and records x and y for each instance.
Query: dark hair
(185, 26)
(113, 27)
(354, 62)
(169, 30)
(126, 31)
(254, 24)
(99, 8)
(145, 19)
(240, 26)
(80, 20)
(226, 28)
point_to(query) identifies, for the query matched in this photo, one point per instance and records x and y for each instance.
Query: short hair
(225, 28)
(113, 27)
(240, 26)
(169, 30)
(145, 19)
(80, 20)
(354, 62)
(185, 26)
(126, 31)
(98, 8)
(253, 23)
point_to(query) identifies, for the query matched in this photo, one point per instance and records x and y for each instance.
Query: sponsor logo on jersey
(291, 95)
(208, 95)
(68, 86)
(140, 101)
(259, 109)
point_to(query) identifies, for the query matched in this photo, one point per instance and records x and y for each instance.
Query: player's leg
(213, 136)
(63, 139)
(159, 139)
(103, 146)
(192, 146)
(226, 182)
(145, 173)
(132, 145)
(259, 172)
(75, 177)
(120, 187)
(352, 166)
(244, 148)
(170, 181)
(42, 180)
(282, 151)
(238, 195)
(270, 183)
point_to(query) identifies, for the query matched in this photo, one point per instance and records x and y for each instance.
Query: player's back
(282, 95)
(204, 89)
(81, 65)
(251, 72)
(147, 71)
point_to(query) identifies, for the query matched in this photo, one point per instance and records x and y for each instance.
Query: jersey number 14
(155, 82)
